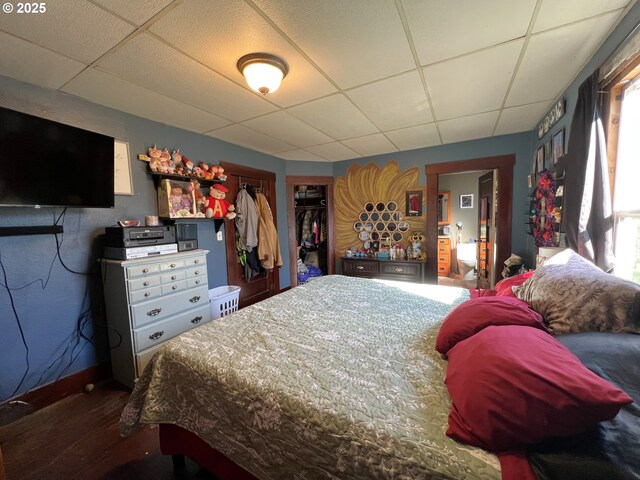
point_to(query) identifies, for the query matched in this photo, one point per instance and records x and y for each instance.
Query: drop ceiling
(366, 77)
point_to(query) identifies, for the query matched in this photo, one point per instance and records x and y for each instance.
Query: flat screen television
(50, 164)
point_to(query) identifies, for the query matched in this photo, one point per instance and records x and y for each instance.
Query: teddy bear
(215, 204)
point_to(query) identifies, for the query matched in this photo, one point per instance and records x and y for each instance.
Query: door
(258, 287)
(486, 234)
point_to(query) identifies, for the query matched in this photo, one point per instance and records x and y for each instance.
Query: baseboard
(70, 385)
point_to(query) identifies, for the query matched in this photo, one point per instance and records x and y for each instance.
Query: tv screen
(45, 163)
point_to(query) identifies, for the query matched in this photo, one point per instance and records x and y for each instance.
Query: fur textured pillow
(573, 295)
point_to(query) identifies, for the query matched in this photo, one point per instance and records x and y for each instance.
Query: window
(624, 163)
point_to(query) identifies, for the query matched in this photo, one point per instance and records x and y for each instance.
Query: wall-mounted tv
(45, 163)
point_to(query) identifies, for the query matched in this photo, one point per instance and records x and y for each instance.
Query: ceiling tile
(283, 126)
(333, 151)
(137, 12)
(553, 57)
(336, 116)
(455, 92)
(468, 128)
(209, 27)
(443, 29)
(522, 118)
(106, 89)
(395, 102)
(554, 14)
(147, 61)
(90, 34)
(44, 67)
(418, 136)
(375, 144)
(299, 155)
(354, 42)
(241, 135)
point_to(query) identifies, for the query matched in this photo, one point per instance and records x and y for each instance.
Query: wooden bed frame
(178, 443)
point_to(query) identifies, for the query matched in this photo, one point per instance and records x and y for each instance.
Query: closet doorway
(267, 283)
(311, 230)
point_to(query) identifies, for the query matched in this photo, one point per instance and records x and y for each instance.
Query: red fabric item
(503, 287)
(515, 466)
(513, 385)
(481, 292)
(471, 316)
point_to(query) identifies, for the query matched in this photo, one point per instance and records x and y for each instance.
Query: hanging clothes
(246, 220)
(268, 243)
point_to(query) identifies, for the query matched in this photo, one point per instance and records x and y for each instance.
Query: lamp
(263, 71)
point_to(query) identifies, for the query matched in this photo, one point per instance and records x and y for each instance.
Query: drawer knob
(359, 267)
(196, 261)
(441, 259)
(156, 335)
(173, 265)
(146, 284)
(197, 272)
(173, 277)
(146, 294)
(145, 270)
(174, 287)
(195, 299)
(196, 320)
(197, 282)
(154, 312)
(399, 269)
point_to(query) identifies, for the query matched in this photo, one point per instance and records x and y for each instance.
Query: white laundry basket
(223, 300)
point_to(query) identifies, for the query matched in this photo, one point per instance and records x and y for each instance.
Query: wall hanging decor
(545, 214)
(551, 118)
(466, 200)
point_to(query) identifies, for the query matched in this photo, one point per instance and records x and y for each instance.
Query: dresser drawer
(200, 260)
(140, 270)
(444, 259)
(170, 288)
(196, 272)
(173, 264)
(137, 296)
(194, 282)
(167, 305)
(173, 276)
(159, 332)
(144, 282)
(443, 270)
(360, 268)
(444, 241)
(143, 358)
(409, 272)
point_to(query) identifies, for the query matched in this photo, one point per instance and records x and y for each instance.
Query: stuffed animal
(215, 204)
(200, 200)
(188, 165)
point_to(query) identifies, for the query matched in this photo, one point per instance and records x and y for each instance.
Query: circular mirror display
(358, 226)
(375, 216)
(392, 206)
(403, 226)
(386, 216)
(397, 236)
(380, 226)
(391, 226)
(368, 207)
(368, 226)
(385, 237)
(397, 216)
(375, 236)
(379, 206)
(364, 216)
(363, 236)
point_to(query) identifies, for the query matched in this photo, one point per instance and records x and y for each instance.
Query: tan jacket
(268, 244)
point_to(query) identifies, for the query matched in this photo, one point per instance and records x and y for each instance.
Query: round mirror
(368, 207)
(392, 206)
(391, 226)
(379, 206)
(403, 226)
(358, 226)
(363, 236)
(368, 226)
(375, 216)
(386, 216)
(397, 236)
(385, 237)
(380, 226)
(375, 236)
(397, 216)
(364, 216)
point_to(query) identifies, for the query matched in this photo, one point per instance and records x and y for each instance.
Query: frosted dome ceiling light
(263, 71)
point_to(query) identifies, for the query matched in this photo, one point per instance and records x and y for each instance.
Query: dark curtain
(587, 215)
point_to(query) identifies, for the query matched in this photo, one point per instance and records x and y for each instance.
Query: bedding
(337, 378)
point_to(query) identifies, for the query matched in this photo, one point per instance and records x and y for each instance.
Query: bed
(340, 378)
(337, 378)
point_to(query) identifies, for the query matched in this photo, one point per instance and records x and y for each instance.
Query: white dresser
(149, 301)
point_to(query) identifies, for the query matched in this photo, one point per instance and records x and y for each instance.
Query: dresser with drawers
(444, 256)
(404, 270)
(149, 301)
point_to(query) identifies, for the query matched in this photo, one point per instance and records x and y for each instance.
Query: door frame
(290, 182)
(504, 165)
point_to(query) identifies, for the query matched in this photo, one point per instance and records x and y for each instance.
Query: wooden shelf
(161, 176)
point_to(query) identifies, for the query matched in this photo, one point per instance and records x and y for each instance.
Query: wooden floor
(77, 438)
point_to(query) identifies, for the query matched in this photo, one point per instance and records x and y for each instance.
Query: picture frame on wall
(547, 149)
(466, 200)
(558, 146)
(122, 182)
(540, 159)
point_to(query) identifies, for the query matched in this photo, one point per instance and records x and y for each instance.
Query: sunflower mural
(372, 184)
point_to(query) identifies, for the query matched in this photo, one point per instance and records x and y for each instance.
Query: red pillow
(512, 385)
(473, 315)
(481, 292)
(503, 287)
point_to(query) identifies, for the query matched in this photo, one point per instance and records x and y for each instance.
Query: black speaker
(187, 236)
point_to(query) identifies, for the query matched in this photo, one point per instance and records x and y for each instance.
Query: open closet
(311, 230)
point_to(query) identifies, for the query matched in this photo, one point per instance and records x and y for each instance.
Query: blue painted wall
(49, 306)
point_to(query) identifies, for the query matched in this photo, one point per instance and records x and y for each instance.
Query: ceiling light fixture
(263, 71)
